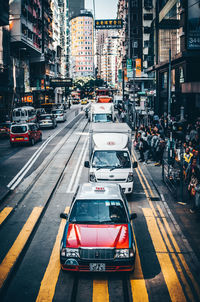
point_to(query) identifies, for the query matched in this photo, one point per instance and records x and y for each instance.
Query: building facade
(5, 61)
(176, 47)
(75, 6)
(82, 45)
(106, 52)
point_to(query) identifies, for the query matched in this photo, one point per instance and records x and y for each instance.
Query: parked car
(5, 129)
(47, 121)
(60, 115)
(98, 235)
(26, 133)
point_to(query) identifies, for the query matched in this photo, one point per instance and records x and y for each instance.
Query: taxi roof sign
(109, 24)
(100, 189)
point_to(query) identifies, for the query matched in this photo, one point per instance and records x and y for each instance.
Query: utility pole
(169, 88)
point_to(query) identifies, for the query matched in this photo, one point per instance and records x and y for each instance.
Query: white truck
(102, 113)
(110, 155)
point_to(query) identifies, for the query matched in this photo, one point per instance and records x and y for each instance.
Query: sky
(104, 9)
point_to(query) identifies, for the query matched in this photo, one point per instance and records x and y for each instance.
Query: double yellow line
(177, 275)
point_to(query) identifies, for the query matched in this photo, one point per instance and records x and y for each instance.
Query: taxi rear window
(19, 129)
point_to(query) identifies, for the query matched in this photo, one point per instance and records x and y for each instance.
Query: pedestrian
(160, 150)
(123, 116)
(192, 180)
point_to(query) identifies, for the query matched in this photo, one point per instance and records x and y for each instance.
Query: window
(147, 30)
(148, 16)
(146, 43)
(134, 3)
(148, 4)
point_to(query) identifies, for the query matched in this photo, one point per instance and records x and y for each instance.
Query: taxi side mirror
(133, 216)
(135, 164)
(63, 216)
(86, 164)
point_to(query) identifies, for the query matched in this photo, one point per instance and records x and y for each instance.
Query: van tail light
(61, 114)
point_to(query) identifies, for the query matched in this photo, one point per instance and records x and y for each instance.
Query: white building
(82, 45)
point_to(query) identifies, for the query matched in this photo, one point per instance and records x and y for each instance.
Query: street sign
(119, 76)
(58, 82)
(129, 68)
(109, 24)
(138, 68)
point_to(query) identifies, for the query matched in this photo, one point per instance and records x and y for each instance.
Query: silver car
(59, 114)
(47, 121)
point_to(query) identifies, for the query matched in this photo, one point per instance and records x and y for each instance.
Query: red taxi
(98, 235)
(25, 133)
(5, 129)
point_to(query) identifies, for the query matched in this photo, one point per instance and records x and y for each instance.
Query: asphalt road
(167, 265)
(12, 160)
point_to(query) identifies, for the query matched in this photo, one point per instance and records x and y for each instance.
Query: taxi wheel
(32, 142)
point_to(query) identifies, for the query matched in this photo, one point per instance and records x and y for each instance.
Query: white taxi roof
(99, 191)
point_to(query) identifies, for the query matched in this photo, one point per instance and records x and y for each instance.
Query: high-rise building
(75, 6)
(82, 45)
(5, 61)
(106, 52)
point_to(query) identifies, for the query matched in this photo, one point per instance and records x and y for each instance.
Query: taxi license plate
(97, 267)
(19, 139)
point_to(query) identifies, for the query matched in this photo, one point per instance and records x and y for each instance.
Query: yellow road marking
(146, 192)
(138, 287)
(48, 284)
(18, 245)
(100, 291)
(171, 279)
(147, 183)
(181, 257)
(6, 211)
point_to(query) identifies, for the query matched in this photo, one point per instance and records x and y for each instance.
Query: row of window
(85, 68)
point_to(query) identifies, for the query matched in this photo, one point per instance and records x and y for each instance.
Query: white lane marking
(15, 181)
(77, 167)
(79, 171)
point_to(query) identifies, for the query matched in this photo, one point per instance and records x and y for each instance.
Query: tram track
(7, 278)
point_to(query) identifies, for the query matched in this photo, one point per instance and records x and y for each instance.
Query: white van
(24, 114)
(102, 113)
(110, 155)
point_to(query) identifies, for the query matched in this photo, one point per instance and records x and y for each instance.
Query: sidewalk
(189, 223)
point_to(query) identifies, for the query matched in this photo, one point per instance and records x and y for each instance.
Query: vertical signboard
(193, 28)
(119, 76)
(138, 68)
(129, 68)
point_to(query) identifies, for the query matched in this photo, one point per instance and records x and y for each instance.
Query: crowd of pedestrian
(152, 143)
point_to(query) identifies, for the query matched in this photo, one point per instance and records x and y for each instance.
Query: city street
(167, 259)
(99, 151)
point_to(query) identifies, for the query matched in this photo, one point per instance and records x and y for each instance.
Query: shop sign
(138, 68)
(109, 24)
(119, 76)
(67, 82)
(129, 68)
(193, 28)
